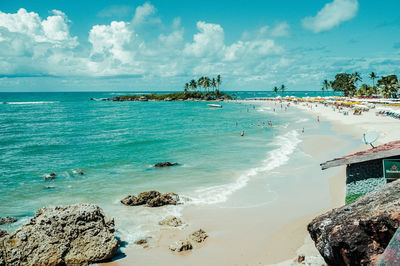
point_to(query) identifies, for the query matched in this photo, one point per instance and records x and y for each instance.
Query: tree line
(204, 82)
(282, 88)
(386, 86)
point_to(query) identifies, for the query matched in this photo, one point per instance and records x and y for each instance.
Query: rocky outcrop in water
(7, 220)
(72, 235)
(151, 198)
(171, 221)
(358, 233)
(165, 164)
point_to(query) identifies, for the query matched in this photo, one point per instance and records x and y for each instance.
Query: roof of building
(389, 149)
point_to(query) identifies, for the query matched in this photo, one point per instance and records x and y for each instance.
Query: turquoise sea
(116, 144)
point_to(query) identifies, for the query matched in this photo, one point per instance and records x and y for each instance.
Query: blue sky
(160, 45)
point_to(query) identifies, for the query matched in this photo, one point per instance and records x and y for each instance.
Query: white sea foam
(216, 194)
(302, 120)
(41, 102)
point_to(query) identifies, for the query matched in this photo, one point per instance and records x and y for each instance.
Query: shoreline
(272, 247)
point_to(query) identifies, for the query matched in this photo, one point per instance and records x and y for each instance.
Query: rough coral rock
(7, 220)
(72, 235)
(198, 236)
(358, 233)
(171, 221)
(181, 245)
(151, 199)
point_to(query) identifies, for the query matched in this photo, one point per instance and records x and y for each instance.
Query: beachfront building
(368, 170)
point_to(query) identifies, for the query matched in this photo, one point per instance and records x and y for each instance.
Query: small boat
(213, 105)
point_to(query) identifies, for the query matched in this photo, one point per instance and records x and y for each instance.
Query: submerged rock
(151, 198)
(72, 235)
(181, 245)
(171, 221)
(7, 220)
(198, 236)
(165, 164)
(358, 233)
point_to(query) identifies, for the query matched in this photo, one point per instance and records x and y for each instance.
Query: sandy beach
(272, 234)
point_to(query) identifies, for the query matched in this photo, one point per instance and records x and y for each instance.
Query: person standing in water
(242, 134)
(302, 130)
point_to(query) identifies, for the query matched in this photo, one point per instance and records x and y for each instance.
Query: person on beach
(318, 119)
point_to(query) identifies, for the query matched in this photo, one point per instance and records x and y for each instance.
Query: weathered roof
(383, 151)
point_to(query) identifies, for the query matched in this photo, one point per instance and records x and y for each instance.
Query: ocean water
(116, 144)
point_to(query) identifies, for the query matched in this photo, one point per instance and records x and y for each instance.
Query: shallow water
(116, 143)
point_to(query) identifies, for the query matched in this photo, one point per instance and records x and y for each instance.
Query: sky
(160, 45)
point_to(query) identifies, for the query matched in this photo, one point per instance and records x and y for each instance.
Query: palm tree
(275, 90)
(186, 87)
(356, 77)
(325, 86)
(206, 83)
(373, 76)
(389, 85)
(283, 88)
(219, 81)
(330, 86)
(193, 84)
(200, 82)
(213, 83)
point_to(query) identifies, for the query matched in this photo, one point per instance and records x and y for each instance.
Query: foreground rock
(151, 198)
(165, 164)
(181, 245)
(72, 235)
(358, 233)
(7, 220)
(171, 221)
(198, 236)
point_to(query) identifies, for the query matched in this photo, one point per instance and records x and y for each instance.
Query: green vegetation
(346, 83)
(352, 197)
(282, 89)
(192, 91)
(177, 96)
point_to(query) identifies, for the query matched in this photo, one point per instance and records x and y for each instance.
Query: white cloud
(111, 40)
(32, 45)
(209, 41)
(142, 13)
(116, 11)
(53, 30)
(331, 15)
(280, 30)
